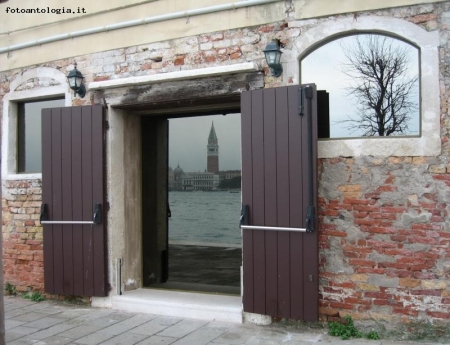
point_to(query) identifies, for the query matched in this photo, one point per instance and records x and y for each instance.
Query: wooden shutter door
(72, 186)
(280, 273)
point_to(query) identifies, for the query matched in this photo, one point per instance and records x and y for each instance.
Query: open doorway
(191, 238)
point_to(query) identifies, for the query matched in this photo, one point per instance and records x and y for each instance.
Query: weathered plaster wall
(384, 226)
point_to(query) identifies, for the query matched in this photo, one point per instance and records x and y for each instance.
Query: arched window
(372, 85)
(428, 142)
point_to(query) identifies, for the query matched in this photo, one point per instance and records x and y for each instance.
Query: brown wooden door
(280, 275)
(72, 185)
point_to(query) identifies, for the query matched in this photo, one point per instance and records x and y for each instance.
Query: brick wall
(384, 227)
(22, 235)
(384, 238)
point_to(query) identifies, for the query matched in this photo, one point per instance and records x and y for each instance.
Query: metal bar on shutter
(272, 228)
(96, 219)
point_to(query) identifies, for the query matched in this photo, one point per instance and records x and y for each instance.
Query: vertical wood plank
(259, 269)
(297, 208)
(270, 205)
(58, 262)
(283, 214)
(73, 179)
(66, 169)
(99, 264)
(247, 199)
(87, 184)
(77, 203)
(310, 243)
(47, 198)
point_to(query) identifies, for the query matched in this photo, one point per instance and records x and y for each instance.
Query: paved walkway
(60, 323)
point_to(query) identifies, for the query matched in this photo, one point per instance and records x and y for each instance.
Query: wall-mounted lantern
(273, 56)
(75, 79)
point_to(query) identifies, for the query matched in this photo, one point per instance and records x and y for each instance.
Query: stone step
(206, 306)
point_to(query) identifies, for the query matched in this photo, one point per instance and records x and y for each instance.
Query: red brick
(423, 18)
(426, 226)
(398, 238)
(353, 300)
(101, 78)
(378, 270)
(390, 216)
(361, 262)
(377, 295)
(405, 311)
(334, 233)
(356, 201)
(370, 222)
(438, 315)
(341, 305)
(442, 177)
(434, 292)
(396, 251)
(425, 240)
(348, 285)
(428, 206)
(179, 60)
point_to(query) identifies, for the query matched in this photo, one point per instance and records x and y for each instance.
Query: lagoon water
(205, 217)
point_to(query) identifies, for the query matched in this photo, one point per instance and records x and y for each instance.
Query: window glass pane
(29, 134)
(373, 86)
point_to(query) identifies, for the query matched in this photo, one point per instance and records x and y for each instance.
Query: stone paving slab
(50, 322)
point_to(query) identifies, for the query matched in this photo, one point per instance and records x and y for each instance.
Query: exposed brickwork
(384, 238)
(384, 225)
(22, 234)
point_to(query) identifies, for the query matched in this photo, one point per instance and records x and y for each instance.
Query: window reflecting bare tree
(381, 86)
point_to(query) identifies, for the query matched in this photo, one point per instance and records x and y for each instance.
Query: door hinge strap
(310, 215)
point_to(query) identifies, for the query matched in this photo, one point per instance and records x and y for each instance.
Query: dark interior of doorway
(202, 268)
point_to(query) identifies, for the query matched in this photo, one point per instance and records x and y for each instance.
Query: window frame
(11, 102)
(419, 98)
(429, 143)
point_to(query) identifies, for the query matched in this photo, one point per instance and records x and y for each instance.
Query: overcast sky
(324, 68)
(188, 138)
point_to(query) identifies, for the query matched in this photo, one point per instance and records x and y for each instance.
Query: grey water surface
(205, 217)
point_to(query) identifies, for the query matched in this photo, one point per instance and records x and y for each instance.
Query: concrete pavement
(52, 322)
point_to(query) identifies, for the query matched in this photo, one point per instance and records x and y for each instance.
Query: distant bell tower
(213, 151)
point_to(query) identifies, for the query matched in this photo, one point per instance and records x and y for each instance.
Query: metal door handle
(96, 218)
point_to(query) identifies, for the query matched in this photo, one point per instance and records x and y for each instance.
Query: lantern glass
(273, 57)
